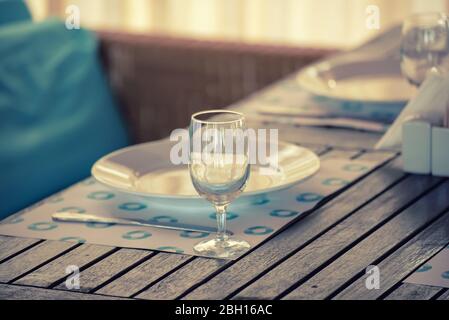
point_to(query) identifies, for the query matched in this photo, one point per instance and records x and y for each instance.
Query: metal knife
(81, 217)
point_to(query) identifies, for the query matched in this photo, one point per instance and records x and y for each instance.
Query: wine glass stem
(221, 223)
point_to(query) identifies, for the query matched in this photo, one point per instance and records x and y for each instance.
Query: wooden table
(387, 218)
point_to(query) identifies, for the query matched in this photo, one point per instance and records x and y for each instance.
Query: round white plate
(363, 81)
(146, 170)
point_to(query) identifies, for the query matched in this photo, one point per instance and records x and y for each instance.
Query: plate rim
(197, 196)
(304, 73)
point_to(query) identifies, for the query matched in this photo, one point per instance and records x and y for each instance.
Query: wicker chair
(160, 81)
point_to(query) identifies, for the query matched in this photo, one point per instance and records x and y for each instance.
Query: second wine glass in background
(424, 46)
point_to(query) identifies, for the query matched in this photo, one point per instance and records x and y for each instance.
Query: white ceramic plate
(378, 81)
(146, 170)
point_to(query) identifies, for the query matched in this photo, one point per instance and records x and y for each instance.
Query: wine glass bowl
(219, 169)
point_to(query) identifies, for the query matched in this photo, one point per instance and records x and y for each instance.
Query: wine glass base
(226, 249)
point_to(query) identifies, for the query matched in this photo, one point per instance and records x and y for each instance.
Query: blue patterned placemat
(260, 218)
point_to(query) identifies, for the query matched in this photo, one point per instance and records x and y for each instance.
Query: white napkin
(429, 104)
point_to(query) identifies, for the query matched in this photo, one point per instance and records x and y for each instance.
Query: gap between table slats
(109, 268)
(12, 246)
(29, 260)
(444, 295)
(143, 275)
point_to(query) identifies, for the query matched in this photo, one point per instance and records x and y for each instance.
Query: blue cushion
(57, 114)
(13, 11)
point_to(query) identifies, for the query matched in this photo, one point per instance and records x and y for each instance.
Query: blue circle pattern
(99, 225)
(42, 226)
(424, 268)
(167, 219)
(334, 182)
(170, 249)
(229, 215)
(72, 209)
(73, 239)
(136, 235)
(260, 200)
(101, 195)
(193, 234)
(281, 213)
(309, 197)
(354, 167)
(258, 230)
(132, 206)
(445, 275)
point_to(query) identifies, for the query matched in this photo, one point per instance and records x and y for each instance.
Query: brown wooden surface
(12, 292)
(388, 218)
(410, 291)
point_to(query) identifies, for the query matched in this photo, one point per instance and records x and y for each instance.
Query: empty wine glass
(424, 46)
(219, 169)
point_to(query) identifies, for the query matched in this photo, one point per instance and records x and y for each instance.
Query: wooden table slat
(174, 285)
(14, 292)
(280, 246)
(379, 243)
(410, 291)
(10, 246)
(55, 271)
(4, 239)
(33, 258)
(109, 267)
(327, 247)
(143, 275)
(403, 261)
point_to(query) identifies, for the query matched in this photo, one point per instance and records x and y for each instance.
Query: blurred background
(323, 23)
(137, 69)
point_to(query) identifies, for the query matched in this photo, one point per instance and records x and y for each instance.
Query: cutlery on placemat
(345, 123)
(319, 119)
(315, 116)
(82, 217)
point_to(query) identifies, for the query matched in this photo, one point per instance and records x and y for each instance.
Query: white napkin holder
(440, 151)
(416, 146)
(425, 147)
